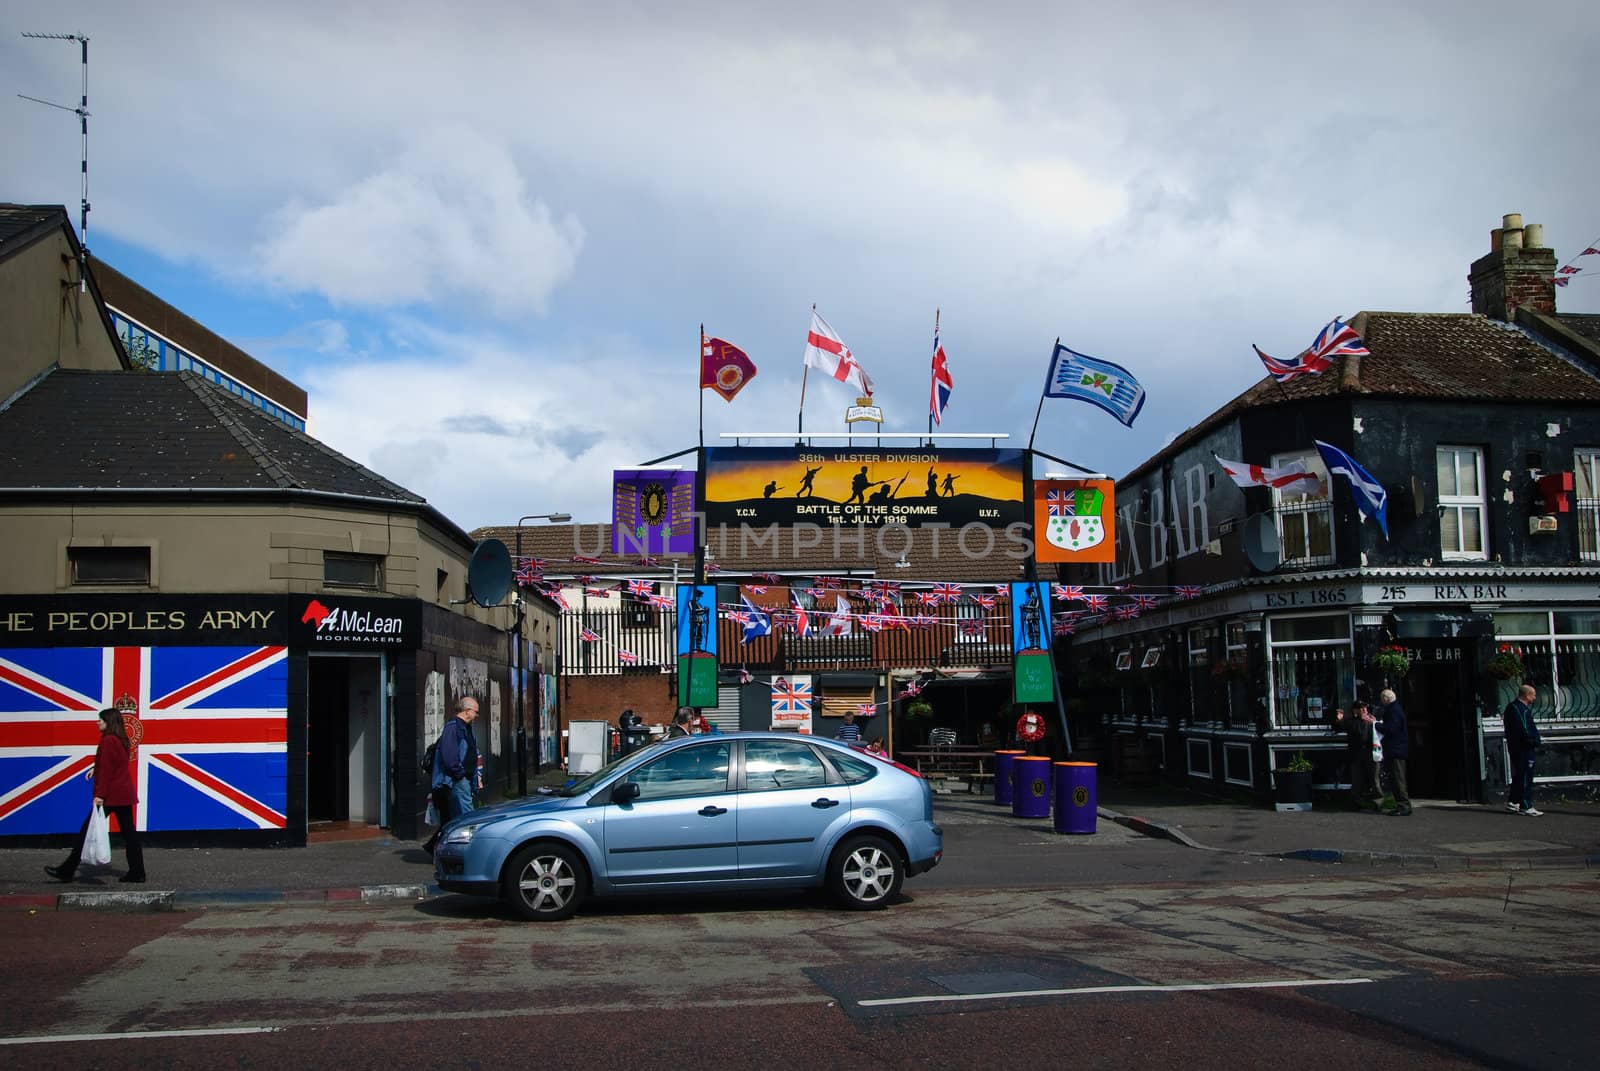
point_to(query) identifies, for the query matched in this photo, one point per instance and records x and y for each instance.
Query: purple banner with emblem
(652, 511)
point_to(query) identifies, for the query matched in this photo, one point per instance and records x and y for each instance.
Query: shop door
(345, 740)
(1438, 706)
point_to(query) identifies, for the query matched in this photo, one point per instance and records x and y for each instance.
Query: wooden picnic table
(956, 760)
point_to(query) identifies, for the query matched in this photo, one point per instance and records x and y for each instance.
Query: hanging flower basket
(1392, 661)
(919, 708)
(1506, 664)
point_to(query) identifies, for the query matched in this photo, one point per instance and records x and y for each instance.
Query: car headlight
(463, 834)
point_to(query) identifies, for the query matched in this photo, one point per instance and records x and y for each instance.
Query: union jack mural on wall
(211, 737)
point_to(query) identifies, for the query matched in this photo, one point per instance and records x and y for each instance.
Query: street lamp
(522, 683)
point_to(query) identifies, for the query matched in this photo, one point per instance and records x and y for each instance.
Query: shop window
(109, 565)
(1586, 483)
(637, 611)
(1312, 669)
(1305, 518)
(352, 571)
(1461, 505)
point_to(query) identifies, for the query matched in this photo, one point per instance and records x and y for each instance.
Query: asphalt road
(1335, 968)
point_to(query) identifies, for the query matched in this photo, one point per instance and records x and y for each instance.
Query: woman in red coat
(113, 787)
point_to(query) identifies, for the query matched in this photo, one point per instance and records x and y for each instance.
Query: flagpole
(701, 377)
(931, 386)
(1039, 410)
(800, 422)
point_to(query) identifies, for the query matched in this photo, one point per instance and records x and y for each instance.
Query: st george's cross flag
(209, 727)
(943, 384)
(1290, 479)
(1089, 379)
(825, 350)
(1371, 499)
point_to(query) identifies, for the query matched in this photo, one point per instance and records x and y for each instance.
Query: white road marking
(138, 1035)
(1196, 987)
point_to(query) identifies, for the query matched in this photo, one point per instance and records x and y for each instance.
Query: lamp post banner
(866, 486)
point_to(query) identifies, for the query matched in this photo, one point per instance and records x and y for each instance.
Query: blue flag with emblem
(1089, 379)
(1371, 499)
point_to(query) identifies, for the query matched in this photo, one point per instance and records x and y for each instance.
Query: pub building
(1483, 429)
(284, 629)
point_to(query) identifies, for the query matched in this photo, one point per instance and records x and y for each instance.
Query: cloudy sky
(484, 237)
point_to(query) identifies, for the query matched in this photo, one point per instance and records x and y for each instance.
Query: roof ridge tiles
(213, 400)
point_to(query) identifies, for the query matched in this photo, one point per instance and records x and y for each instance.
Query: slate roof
(22, 224)
(1426, 356)
(557, 544)
(1585, 324)
(83, 430)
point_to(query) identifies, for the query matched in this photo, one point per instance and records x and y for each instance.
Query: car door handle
(711, 812)
(824, 803)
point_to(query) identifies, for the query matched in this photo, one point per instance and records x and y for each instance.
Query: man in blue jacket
(1522, 740)
(455, 767)
(1392, 724)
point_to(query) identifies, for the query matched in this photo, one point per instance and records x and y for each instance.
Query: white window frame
(1586, 483)
(1297, 501)
(1460, 504)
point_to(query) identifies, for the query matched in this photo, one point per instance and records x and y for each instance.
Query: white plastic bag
(431, 816)
(97, 842)
(1377, 744)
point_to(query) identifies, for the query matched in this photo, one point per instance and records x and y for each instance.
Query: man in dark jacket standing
(1392, 724)
(1357, 727)
(1522, 740)
(455, 767)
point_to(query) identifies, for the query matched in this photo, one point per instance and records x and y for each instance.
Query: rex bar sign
(324, 622)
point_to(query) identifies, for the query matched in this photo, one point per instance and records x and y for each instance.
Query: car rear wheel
(545, 882)
(865, 873)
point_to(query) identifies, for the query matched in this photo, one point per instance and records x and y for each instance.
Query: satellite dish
(489, 573)
(1261, 543)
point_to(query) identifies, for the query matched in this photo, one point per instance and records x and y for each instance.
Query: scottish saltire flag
(1371, 499)
(1089, 379)
(210, 734)
(757, 621)
(943, 384)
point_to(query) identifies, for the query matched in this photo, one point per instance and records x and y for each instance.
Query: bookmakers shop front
(222, 695)
(1224, 689)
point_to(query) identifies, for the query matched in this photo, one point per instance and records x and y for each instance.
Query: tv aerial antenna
(82, 112)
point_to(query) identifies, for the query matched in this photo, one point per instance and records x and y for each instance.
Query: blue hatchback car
(704, 814)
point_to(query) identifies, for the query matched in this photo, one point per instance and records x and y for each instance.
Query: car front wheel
(544, 882)
(865, 873)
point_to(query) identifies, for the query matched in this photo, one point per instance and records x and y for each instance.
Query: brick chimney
(1518, 271)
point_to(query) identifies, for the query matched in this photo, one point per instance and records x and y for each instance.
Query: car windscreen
(588, 783)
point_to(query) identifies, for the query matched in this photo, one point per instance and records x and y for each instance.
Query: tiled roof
(20, 224)
(1427, 356)
(143, 431)
(790, 551)
(1585, 324)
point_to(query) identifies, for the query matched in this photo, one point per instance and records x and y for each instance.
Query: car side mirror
(625, 792)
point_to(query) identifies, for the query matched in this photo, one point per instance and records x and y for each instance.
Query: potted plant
(1506, 664)
(919, 708)
(1294, 784)
(1392, 661)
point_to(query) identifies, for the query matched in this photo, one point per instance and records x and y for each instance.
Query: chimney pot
(1533, 236)
(1513, 221)
(1511, 239)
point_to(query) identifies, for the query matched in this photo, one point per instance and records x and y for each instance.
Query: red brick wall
(650, 695)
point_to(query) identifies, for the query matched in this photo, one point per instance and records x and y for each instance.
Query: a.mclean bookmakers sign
(851, 485)
(310, 622)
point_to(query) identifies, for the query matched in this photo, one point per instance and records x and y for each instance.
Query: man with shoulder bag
(455, 768)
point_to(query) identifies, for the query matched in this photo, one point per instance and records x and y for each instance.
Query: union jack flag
(871, 622)
(1094, 602)
(586, 578)
(912, 688)
(555, 596)
(745, 676)
(589, 635)
(816, 593)
(1002, 591)
(1569, 270)
(627, 658)
(1061, 503)
(528, 574)
(929, 598)
(582, 559)
(1064, 592)
(1127, 613)
(867, 709)
(829, 583)
(771, 578)
(985, 601)
(211, 735)
(1146, 602)
(712, 567)
(756, 589)
(647, 560)
(1062, 627)
(640, 587)
(1336, 339)
(1561, 280)
(972, 626)
(660, 602)
(791, 696)
(1189, 591)
(597, 593)
(884, 588)
(947, 592)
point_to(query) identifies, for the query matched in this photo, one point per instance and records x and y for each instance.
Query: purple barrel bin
(1031, 798)
(1003, 761)
(1076, 797)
